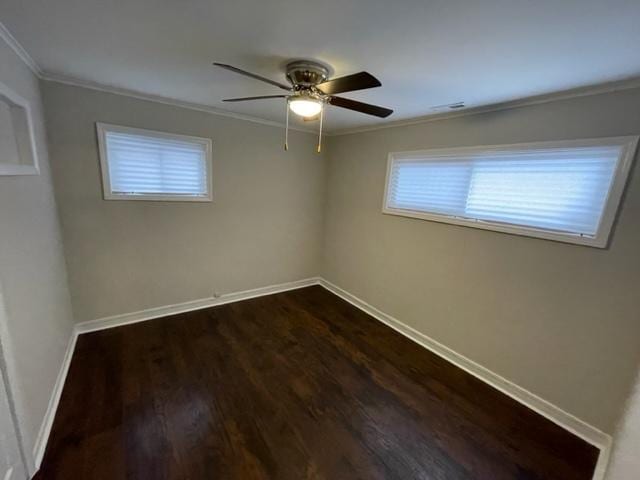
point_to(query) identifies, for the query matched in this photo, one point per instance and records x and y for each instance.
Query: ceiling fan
(311, 89)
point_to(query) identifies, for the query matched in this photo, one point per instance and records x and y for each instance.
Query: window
(146, 165)
(567, 191)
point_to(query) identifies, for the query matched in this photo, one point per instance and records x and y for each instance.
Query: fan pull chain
(286, 128)
(320, 132)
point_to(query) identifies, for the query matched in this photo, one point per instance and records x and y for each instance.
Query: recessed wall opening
(17, 155)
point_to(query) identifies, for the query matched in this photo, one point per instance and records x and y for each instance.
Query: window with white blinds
(146, 165)
(565, 191)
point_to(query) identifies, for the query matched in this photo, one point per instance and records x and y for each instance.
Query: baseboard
(151, 313)
(45, 427)
(564, 419)
(140, 316)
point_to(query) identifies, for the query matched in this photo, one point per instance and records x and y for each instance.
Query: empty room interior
(285, 240)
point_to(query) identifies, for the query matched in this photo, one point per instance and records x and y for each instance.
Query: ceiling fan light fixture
(305, 107)
(311, 88)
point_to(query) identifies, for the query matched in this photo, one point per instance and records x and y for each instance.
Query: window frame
(628, 146)
(108, 194)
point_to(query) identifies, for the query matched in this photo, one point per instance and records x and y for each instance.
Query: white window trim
(103, 128)
(10, 169)
(599, 240)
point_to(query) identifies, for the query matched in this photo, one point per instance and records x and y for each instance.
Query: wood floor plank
(297, 385)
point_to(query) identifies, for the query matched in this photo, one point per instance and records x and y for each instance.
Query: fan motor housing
(306, 73)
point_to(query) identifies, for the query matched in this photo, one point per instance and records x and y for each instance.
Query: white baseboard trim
(141, 316)
(45, 427)
(151, 313)
(569, 422)
(564, 419)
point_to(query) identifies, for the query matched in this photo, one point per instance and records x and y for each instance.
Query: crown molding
(608, 87)
(10, 40)
(614, 86)
(22, 53)
(78, 82)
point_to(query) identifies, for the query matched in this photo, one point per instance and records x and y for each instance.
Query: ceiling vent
(449, 106)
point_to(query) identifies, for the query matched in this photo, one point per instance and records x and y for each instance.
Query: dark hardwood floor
(298, 385)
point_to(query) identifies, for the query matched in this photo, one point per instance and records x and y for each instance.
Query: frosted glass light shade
(305, 107)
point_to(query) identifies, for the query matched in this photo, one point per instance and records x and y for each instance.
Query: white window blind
(553, 191)
(140, 164)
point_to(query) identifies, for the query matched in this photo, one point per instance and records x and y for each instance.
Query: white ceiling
(425, 52)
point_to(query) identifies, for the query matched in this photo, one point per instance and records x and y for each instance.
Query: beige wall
(560, 320)
(33, 279)
(262, 228)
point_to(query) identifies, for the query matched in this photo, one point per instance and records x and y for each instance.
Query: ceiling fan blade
(357, 81)
(244, 99)
(253, 75)
(360, 107)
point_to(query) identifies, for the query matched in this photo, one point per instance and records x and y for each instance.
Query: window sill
(598, 242)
